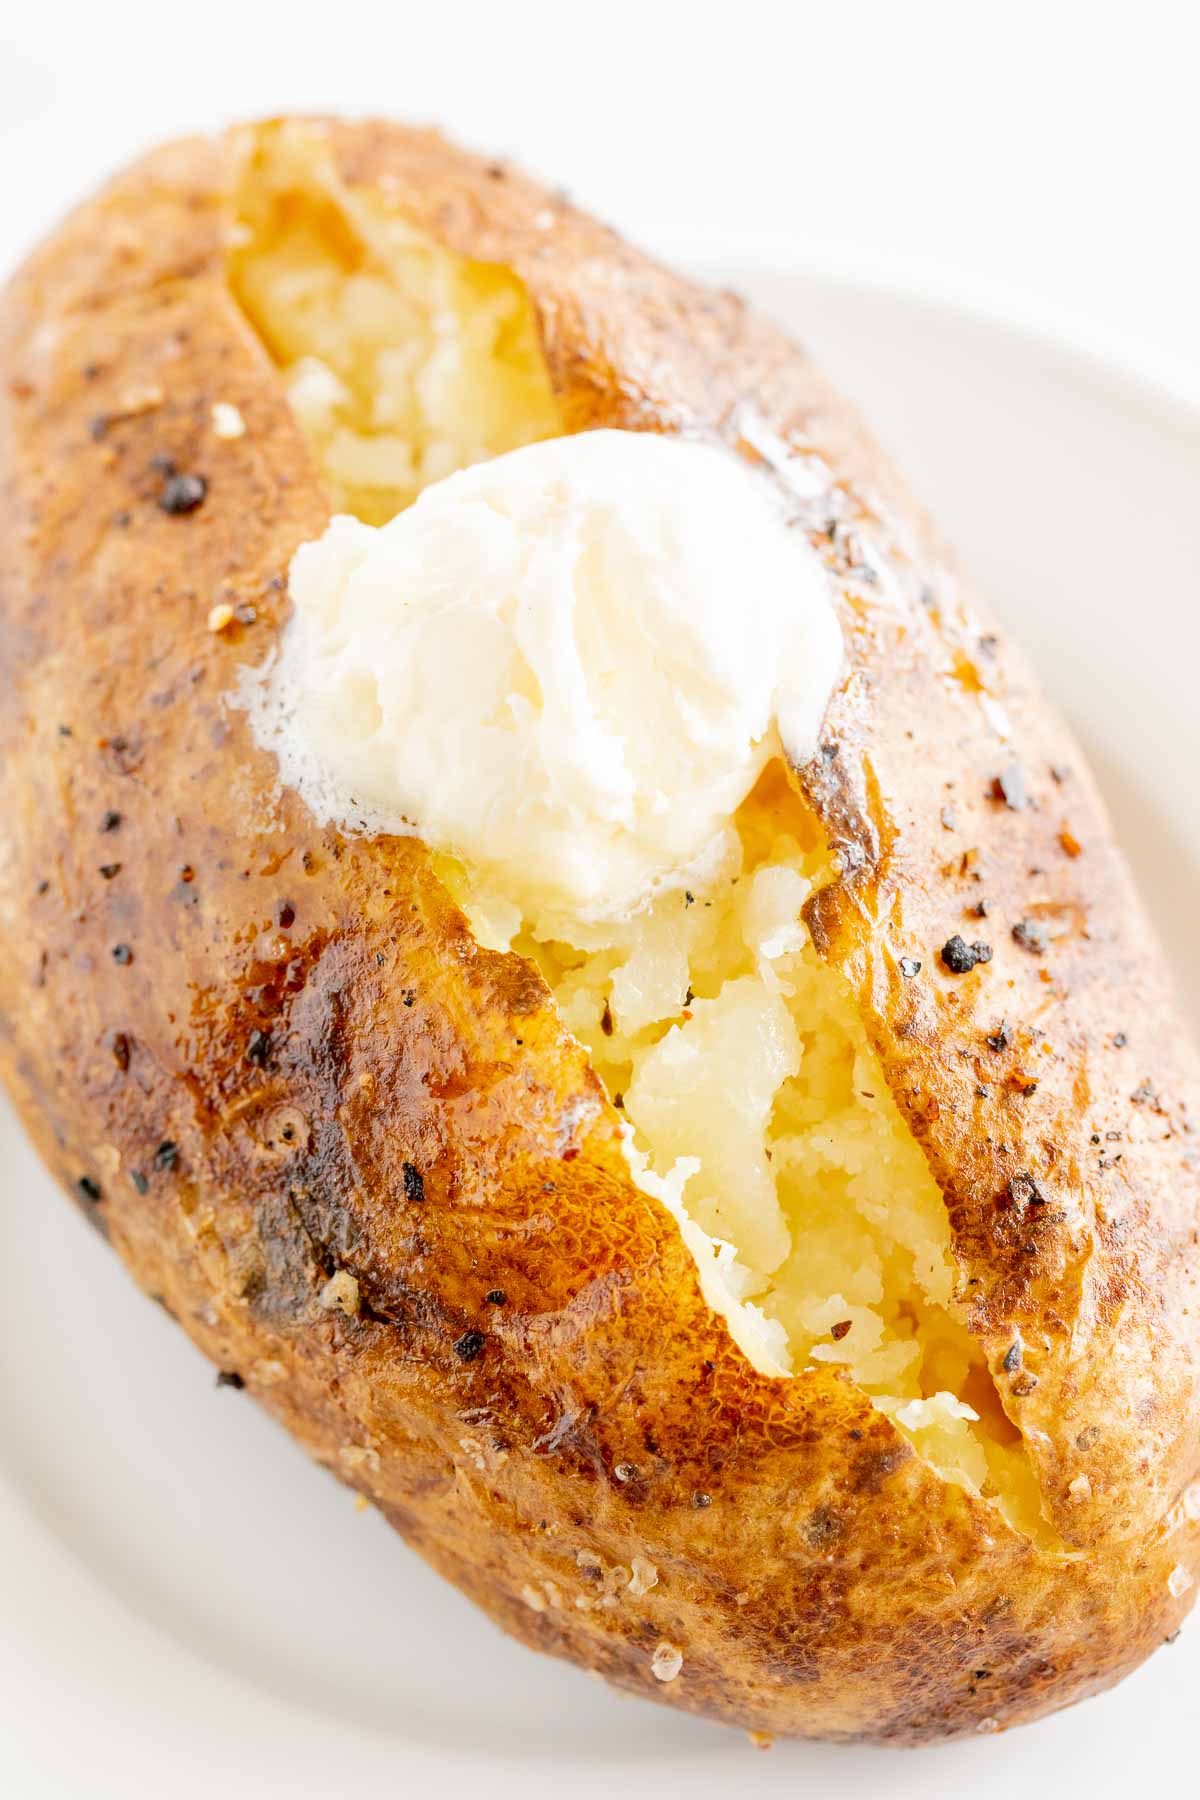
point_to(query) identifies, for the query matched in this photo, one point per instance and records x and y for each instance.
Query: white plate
(189, 1608)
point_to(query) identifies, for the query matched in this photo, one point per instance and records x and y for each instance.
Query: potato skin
(261, 1052)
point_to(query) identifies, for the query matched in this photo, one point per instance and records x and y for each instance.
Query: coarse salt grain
(1080, 1489)
(1178, 1581)
(534, 1601)
(666, 1662)
(227, 421)
(340, 1294)
(643, 1578)
(220, 617)
(359, 1456)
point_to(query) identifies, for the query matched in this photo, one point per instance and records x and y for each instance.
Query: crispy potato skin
(348, 1082)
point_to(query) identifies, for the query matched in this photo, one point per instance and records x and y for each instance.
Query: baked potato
(928, 1465)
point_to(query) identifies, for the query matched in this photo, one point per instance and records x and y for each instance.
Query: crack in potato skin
(832, 1585)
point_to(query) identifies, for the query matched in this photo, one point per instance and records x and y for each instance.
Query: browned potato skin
(817, 1576)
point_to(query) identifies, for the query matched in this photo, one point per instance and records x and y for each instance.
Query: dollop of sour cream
(567, 665)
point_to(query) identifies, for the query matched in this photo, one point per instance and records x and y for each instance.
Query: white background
(1038, 161)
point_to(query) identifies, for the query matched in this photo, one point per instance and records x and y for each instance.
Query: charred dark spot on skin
(469, 1346)
(167, 1155)
(822, 1528)
(122, 754)
(874, 1467)
(414, 1182)
(181, 492)
(960, 957)
(1001, 1038)
(1023, 1191)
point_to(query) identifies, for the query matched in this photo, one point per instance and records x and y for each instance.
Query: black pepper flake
(43, 886)
(122, 954)
(231, 1379)
(909, 966)
(1002, 1037)
(606, 1020)
(689, 996)
(689, 899)
(496, 1297)
(1031, 936)
(182, 493)
(410, 996)
(1009, 786)
(286, 915)
(1119, 1040)
(167, 1155)
(960, 957)
(258, 1048)
(1012, 1358)
(619, 1102)
(1095, 1137)
(981, 909)
(245, 614)
(414, 1182)
(700, 1501)
(469, 1345)
(108, 870)
(1030, 1089)
(89, 1189)
(141, 1185)
(1024, 1191)
(119, 1045)
(110, 821)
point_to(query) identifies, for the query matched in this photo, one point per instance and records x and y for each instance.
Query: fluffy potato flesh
(402, 363)
(756, 1108)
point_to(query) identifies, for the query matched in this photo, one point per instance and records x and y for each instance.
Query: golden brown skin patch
(260, 1053)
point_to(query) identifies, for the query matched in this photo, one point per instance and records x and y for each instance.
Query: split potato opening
(757, 1111)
